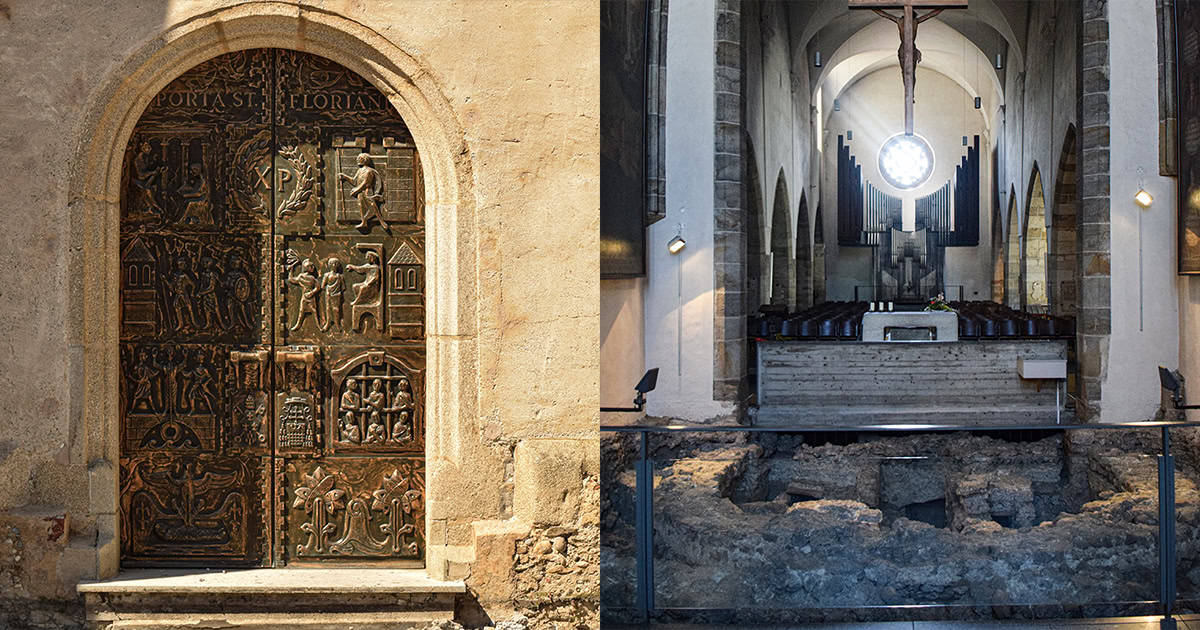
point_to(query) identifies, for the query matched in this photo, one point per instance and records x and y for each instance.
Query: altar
(910, 326)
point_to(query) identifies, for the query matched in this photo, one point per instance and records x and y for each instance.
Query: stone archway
(804, 258)
(1033, 259)
(1012, 254)
(95, 191)
(1063, 263)
(783, 266)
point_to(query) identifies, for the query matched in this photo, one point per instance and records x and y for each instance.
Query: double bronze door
(272, 321)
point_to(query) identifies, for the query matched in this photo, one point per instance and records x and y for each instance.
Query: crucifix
(907, 23)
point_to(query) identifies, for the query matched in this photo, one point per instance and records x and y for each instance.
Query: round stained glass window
(906, 161)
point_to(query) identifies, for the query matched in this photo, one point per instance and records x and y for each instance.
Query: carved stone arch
(804, 257)
(783, 266)
(1063, 263)
(95, 176)
(1012, 253)
(1034, 245)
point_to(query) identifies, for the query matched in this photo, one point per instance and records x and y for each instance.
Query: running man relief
(272, 300)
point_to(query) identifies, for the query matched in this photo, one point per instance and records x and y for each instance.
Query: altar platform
(1003, 367)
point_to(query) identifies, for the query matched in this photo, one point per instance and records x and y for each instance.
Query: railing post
(1166, 531)
(644, 527)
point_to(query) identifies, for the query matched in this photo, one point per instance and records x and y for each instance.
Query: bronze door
(272, 320)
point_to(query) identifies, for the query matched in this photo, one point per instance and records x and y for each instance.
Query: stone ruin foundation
(770, 527)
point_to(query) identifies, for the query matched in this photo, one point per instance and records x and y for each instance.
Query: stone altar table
(910, 326)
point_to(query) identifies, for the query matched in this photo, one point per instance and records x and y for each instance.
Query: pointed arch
(999, 269)
(94, 192)
(1034, 246)
(1063, 263)
(804, 258)
(783, 267)
(1012, 254)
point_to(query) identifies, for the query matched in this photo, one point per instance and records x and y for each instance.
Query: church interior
(916, 277)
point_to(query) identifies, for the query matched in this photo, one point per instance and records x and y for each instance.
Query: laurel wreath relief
(305, 178)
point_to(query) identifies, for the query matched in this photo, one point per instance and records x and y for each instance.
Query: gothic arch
(1034, 246)
(804, 258)
(783, 267)
(1012, 254)
(1063, 263)
(95, 175)
(998, 262)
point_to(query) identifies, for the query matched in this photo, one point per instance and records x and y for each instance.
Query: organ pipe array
(909, 264)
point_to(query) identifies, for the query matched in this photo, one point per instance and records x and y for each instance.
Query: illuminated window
(906, 161)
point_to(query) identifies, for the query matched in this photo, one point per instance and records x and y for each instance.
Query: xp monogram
(272, 321)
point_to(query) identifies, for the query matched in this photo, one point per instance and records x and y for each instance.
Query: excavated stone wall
(989, 525)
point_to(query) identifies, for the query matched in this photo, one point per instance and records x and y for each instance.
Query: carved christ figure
(368, 188)
(908, 53)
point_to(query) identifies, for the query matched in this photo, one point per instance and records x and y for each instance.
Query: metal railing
(644, 604)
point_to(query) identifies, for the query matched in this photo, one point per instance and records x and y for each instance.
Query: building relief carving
(272, 320)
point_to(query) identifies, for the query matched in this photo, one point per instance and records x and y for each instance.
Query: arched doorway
(1034, 294)
(818, 259)
(1063, 272)
(1012, 255)
(272, 340)
(783, 288)
(804, 258)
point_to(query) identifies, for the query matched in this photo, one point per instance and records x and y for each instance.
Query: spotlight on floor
(644, 386)
(1172, 381)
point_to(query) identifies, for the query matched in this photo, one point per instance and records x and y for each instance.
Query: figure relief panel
(199, 506)
(272, 320)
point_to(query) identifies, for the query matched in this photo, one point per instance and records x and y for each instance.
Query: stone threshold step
(306, 621)
(281, 581)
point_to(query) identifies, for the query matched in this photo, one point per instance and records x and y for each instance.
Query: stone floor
(1184, 622)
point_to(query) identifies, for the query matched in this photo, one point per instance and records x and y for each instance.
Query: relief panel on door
(272, 320)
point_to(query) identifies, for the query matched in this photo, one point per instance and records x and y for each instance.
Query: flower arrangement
(938, 303)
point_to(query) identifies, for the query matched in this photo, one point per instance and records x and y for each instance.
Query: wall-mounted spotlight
(978, 102)
(999, 62)
(676, 245)
(849, 134)
(817, 59)
(837, 105)
(1143, 198)
(964, 141)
